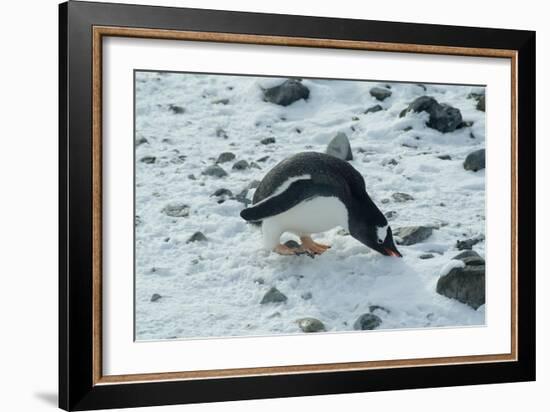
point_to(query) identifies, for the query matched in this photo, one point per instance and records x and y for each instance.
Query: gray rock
(288, 92)
(176, 109)
(468, 243)
(155, 297)
(311, 325)
(263, 159)
(268, 140)
(197, 237)
(425, 256)
(402, 197)
(191, 177)
(221, 133)
(292, 244)
(254, 165)
(176, 210)
(240, 165)
(475, 161)
(214, 170)
(379, 93)
(467, 254)
(467, 285)
(242, 197)
(225, 157)
(374, 109)
(148, 159)
(222, 194)
(480, 99)
(410, 235)
(390, 214)
(306, 295)
(339, 147)
(221, 101)
(443, 117)
(444, 157)
(367, 321)
(141, 140)
(273, 295)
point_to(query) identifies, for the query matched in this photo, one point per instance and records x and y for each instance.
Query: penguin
(312, 192)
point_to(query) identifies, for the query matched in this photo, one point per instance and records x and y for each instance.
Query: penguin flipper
(298, 192)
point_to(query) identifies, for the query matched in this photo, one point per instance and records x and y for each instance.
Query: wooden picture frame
(82, 385)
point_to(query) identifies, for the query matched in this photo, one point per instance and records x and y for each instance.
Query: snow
(214, 288)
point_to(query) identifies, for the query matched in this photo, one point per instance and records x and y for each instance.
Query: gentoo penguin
(314, 192)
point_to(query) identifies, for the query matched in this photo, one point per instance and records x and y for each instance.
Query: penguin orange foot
(313, 247)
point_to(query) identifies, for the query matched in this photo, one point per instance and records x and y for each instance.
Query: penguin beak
(392, 252)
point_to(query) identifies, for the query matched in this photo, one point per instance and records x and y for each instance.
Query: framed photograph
(256, 205)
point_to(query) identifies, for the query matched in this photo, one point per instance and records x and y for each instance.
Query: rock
(176, 109)
(410, 235)
(306, 295)
(225, 157)
(425, 256)
(141, 140)
(263, 159)
(468, 254)
(137, 220)
(374, 109)
(468, 243)
(221, 133)
(197, 237)
(148, 159)
(367, 321)
(443, 117)
(222, 194)
(390, 214)
(255, 165)
(241, 197)
(311, 325)
(339, 147)
(379, 93)
(268, 140)
(176, 210)
(214, 170)
(240, 165)
(475, 161)
(273, 295)
(288, 92)
(155, 297)
(444, 157)
(480, 98)
(401, 197)
(221, 101)
(191, 177)
(465, 284)
(292, 244)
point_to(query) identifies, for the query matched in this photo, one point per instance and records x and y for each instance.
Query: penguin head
(376, 236)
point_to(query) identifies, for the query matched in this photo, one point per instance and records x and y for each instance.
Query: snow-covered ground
(214, 287)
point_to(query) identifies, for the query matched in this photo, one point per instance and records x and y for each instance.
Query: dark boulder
(380, 93)
(273, 295)
(367, 321)
(465, 284)
(288, 92)
(475, 161)
(443, 117)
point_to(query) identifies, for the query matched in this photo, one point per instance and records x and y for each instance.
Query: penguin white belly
(312, 216)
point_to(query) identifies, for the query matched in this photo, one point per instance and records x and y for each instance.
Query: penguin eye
(380, 241)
